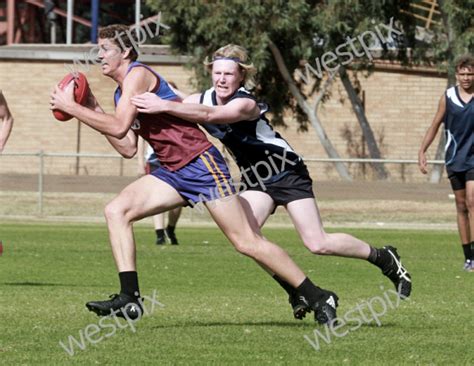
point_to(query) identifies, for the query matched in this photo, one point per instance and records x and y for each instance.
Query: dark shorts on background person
(293, 186)
(458, 179)
(152, 163)
(204, 179)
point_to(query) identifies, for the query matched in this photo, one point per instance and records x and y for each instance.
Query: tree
(310, 111)
(348, 32)
(271, 30)
(292, 42)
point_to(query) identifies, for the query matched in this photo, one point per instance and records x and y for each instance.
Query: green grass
(343, 212)
(220, 308)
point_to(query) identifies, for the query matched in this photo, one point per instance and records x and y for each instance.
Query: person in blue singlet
(456, 110)
(272, 173)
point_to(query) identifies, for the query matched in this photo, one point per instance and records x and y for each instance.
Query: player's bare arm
(236, 110)
(116, 125)
(141, 168)
(6, 122)
(431, 134)
(126, 146)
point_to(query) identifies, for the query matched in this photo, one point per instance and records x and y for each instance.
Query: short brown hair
(123, 37)
(464, 61)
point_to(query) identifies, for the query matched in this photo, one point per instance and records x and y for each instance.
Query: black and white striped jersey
(254, 145)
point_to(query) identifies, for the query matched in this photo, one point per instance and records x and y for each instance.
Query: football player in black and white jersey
(456, 110)
(273, 174)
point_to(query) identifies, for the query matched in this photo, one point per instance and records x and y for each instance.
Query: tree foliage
(296, 27)
(198, 28)
(304, 31)
(302, 34)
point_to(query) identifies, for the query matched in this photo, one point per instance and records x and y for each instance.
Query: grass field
(64, 206)
(219, 307)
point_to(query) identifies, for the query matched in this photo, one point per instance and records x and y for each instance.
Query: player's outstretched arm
(6, 122)
(431, 134)
(240, 109)
(141, 168)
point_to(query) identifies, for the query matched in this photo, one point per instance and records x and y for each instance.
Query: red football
(81, 92)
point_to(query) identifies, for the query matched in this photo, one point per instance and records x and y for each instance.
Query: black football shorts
(295, 185)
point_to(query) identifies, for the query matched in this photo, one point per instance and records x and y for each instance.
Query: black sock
(381, 258)
(290, 290)
(310, 291)
(170, 228)
(472, 250)
(467, 251)
(129, 283)
(160, 233)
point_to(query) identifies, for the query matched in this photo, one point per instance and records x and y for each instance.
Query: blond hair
(240, 56)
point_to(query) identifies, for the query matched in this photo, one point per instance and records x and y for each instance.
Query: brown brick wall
(399, 105)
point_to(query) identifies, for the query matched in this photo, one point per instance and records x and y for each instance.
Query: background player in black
(456, 110)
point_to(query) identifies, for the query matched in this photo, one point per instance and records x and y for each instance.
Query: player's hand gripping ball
(81, 92)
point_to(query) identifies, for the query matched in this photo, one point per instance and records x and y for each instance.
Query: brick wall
(27, 86)
(399, 105)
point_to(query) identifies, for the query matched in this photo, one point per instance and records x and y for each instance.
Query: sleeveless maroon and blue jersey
(176, 142)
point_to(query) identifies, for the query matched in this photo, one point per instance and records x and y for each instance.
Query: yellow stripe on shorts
(209, 167)
(226, 182)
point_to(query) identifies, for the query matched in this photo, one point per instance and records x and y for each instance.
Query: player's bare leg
(258, 207)
(226, 213)
(305, 216)
(463, 221)
(307, 220)
(145, 197)
(467, 220)
(462, 215)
